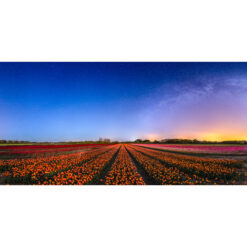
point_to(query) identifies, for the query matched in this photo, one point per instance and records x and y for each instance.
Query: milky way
(210, 108)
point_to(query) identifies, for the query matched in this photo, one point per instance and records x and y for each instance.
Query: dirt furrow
(147, 179)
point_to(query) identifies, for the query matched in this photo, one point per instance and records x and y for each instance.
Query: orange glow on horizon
(223, 137)
(210, 136)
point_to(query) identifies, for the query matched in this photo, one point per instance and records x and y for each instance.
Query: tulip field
(113, 164)
(43, 150)
(205, 149)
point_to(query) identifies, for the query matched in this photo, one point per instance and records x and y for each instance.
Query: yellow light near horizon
(223, 137)
(211, 136)
(219, 136)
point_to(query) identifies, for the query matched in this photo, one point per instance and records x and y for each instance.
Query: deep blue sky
(77, 101)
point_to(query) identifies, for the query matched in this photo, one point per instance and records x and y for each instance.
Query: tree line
(100, 141)
(189, 141)
(107, 140)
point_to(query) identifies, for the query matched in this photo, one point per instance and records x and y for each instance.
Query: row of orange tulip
(218, 171)
(34, 169)
(123, 171)
(162, 174)
(82, 174)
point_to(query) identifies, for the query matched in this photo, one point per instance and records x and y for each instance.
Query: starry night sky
(123, 101)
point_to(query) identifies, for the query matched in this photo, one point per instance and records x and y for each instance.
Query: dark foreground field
(123, 164)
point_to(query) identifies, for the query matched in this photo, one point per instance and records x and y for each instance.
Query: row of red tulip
(50, 146)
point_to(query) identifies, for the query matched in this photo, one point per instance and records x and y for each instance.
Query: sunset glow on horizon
(123, 101)
(218, 137)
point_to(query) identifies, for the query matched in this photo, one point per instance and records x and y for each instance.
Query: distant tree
(138, 140)
(155, 141)
(146, 141)
(195, 141)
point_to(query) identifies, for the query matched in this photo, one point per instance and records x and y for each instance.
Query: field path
(147, 179)
(100, 180)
